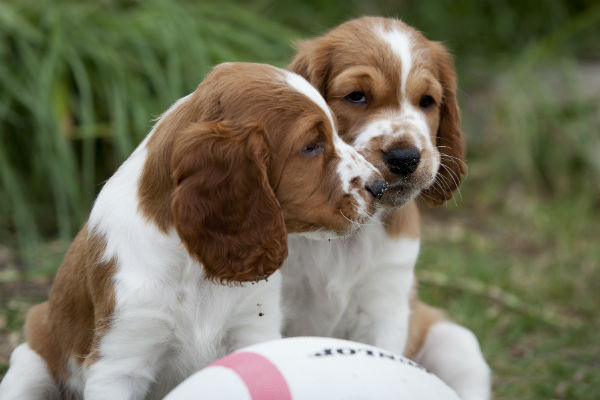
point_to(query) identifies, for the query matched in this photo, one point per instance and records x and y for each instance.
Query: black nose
(377, 188)
(402, 161)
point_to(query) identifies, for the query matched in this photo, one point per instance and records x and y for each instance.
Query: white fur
(452, 352)
(358, 288)
(376, 128)
(401, 45)
(304, 87)
(412, 121)
(352, 164)
(28, 377)
(76, 380)
(355, 288)
(160, 338)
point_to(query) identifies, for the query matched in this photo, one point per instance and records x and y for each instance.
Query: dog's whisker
(452, 175)
(453, 158)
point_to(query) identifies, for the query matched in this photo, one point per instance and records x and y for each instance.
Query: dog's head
(253, 154)
(394, 95)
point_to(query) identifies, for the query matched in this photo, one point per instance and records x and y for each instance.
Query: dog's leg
(450, 351)
(383, 308)
(131, 353)
(28, 377)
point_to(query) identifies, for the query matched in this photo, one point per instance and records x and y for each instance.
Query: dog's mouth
(399, 194)
(403, 189)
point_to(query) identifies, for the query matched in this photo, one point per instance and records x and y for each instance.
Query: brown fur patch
(450, 139)
(222, 186)
(78, 310)
(403, 222)
(422, 317)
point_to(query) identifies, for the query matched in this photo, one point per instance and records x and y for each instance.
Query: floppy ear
(449, 140)
(312, 63)
(224, 209)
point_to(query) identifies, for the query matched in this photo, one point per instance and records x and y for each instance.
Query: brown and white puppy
(207, 198)
(393, 93)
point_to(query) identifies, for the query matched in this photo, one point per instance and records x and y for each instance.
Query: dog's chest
(201, 313)
(199, 320)
(323, 278)
(332, 267)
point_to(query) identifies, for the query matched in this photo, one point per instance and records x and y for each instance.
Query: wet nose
(377, 188)
(402, 161)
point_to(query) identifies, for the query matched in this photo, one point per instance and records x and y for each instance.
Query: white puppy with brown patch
(207, 198)
(393, 93)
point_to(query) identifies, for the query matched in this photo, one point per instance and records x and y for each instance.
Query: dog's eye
(313, 149)
(357, 97)
(426, 101)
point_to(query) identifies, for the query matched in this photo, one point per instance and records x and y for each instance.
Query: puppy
(394, 95)
(170, 271)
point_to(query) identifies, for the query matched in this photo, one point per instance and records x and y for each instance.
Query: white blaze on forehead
(401, 44)
(302, 85)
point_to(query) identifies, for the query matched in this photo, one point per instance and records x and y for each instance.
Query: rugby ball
(312, 368)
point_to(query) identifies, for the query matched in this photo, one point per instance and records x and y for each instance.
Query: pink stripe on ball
(261, 376)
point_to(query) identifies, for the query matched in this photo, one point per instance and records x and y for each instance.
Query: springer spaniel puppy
(394, 95)
(170, 271)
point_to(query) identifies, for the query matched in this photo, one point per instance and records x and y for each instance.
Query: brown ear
(450, 140)
(224, 209)
(312, 63)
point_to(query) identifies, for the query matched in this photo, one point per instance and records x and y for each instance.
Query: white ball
(312, 368)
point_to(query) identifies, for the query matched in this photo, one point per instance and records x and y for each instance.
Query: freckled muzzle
(363, 186)
(377, 188)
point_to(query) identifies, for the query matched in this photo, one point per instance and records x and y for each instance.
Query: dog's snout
(377, 188)
(402, 161)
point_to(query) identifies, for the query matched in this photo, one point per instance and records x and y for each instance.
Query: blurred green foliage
(81, 81)
(80, 84)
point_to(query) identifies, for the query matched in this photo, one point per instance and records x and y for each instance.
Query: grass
(528, 289)
(514, 257)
